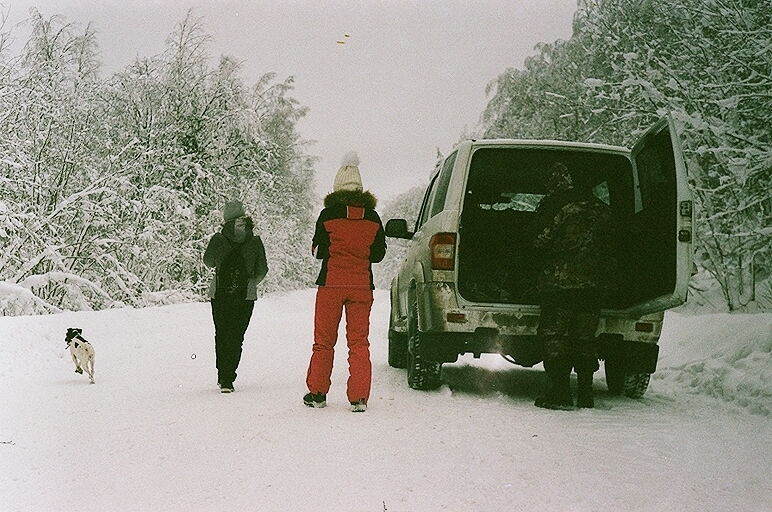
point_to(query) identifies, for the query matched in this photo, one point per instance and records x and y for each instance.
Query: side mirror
(397, 228)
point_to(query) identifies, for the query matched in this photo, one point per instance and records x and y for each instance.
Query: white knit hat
(348, 177)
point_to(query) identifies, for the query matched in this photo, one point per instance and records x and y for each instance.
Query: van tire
(619, 382)
(422, 374)
(636, 384)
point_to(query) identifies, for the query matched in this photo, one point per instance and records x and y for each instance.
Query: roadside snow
(725, 356)
(153, 433)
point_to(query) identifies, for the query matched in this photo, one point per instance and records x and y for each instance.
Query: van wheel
(421, 373)
(397, 348)
(636, 384)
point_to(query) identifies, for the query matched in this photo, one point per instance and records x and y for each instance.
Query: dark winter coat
(252, 250)
(348, 238)
(578, 248)
(550, 206)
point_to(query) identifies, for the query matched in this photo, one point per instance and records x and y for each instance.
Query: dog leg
(78, 369)
(91, 368)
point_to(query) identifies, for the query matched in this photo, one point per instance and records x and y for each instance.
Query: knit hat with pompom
(348, 177)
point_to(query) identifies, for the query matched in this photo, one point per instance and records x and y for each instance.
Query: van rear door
(661, 227)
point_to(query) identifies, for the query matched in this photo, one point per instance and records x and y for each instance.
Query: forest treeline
(112, 187)
(706, 62)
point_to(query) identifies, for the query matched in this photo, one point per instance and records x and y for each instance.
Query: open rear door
(661, 228)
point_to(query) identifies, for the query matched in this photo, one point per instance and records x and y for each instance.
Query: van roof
(546, 143)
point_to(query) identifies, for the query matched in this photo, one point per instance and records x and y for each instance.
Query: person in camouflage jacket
(578, 247)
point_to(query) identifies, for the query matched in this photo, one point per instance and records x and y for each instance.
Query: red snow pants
(330, 303)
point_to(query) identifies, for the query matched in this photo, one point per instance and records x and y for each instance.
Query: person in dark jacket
(577, 247)
(348, 238)
(238, 257)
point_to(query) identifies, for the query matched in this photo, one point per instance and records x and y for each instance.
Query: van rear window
(518, 202)
(507, 178)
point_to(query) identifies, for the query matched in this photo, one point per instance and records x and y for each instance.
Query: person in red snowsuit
(348, 238)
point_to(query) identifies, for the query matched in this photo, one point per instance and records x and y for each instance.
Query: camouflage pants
(567, 327)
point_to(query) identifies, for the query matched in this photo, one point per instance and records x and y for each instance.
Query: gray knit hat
(233, 210)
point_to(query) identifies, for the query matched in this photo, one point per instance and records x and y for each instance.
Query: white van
(467, 284)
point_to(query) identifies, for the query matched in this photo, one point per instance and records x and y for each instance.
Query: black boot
(557, 392)
(584, 393)
(548, 398)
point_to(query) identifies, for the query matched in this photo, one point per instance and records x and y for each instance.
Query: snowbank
(726, 356)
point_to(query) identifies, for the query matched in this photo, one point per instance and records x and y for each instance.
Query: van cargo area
(498, 223)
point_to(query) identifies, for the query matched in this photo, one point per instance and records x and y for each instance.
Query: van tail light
(456, 318)
(443, 247)
(644, 327)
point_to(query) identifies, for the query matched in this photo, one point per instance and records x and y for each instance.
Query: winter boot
(547, 400)
(557, 392)
(584, 393)
(359, 406)
(317, 401)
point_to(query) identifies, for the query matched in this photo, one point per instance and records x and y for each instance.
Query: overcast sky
(410, 78)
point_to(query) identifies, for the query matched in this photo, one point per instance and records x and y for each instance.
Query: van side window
(438, 202)
(423, 216)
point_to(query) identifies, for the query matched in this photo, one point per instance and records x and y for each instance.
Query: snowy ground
(154, 434)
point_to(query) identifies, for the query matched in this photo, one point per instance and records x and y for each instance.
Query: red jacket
(349, 238)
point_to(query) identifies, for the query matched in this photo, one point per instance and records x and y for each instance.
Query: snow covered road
(154, 434)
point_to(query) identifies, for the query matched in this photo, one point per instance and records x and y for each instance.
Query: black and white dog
(81, 351)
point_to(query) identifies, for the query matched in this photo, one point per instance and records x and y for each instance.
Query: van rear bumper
(628, 356)
(442, 312)
(451, 330)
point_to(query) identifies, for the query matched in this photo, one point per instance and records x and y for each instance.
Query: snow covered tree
(282, 189)
(204, 138)
(52, 163)
(112, 187)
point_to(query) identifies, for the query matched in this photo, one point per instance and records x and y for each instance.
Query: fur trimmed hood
(351, 198)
